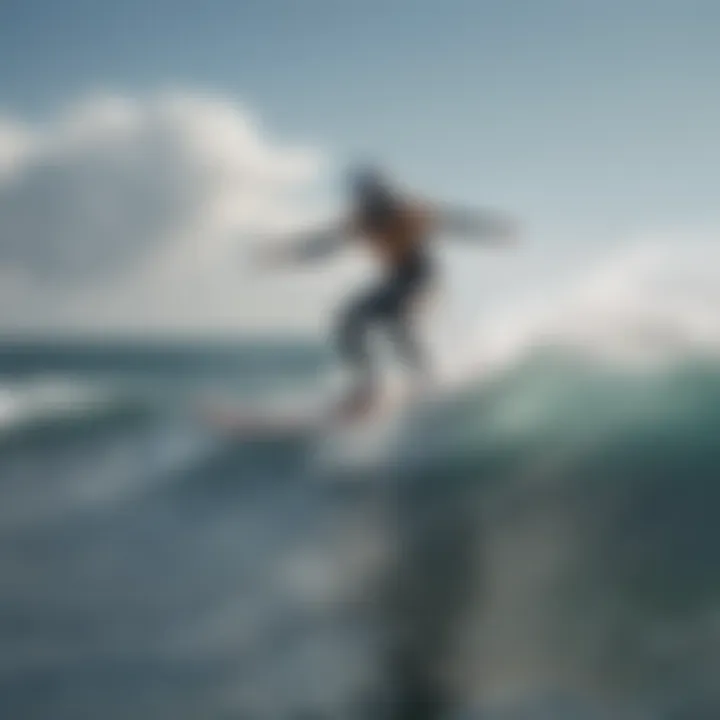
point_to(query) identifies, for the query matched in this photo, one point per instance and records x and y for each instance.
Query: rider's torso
(394, 234)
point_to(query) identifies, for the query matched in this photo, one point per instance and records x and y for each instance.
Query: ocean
(542, 544)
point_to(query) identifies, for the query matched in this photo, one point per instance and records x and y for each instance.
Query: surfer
(397, 228)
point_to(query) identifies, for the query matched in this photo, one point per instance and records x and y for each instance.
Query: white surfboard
(298, 419)
(252, 423)
(313, 415)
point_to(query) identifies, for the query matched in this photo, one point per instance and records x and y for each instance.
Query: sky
(137, 137)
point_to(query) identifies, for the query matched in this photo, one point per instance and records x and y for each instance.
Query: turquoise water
(542, 545)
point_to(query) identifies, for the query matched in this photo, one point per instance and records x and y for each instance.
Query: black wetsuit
(388, 304)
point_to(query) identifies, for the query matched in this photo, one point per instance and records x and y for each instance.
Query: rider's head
(367, 183)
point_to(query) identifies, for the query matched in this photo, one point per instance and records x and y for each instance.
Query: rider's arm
(486, 226)
(312, 245)
(316, 244)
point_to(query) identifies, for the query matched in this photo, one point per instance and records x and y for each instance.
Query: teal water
(544, 545)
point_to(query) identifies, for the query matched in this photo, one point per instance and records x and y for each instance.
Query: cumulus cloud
(131, 213)
(113, 178)
(655, 299)
(122, 210)
(15, 142)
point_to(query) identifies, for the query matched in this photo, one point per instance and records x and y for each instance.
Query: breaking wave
(542, 542)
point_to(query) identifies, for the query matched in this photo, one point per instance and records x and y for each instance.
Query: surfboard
(287, 422)
(257, 424)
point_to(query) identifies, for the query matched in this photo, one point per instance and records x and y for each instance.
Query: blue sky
(589, 119)
(601, 108)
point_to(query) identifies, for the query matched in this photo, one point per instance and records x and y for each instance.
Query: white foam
(655, 299)
(25, 402)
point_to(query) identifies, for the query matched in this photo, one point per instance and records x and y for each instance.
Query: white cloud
(15, 143)
(128, 213)
(655, 299)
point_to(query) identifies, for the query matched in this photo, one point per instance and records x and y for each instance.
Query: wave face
(542, 544)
